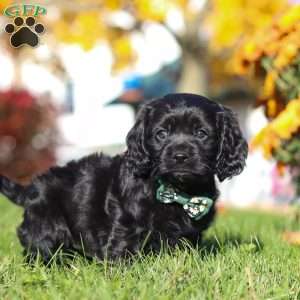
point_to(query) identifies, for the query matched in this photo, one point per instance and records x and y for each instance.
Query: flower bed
(27, 134)
(273, 57)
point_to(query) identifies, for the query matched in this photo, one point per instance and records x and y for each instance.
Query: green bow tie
(196, 207)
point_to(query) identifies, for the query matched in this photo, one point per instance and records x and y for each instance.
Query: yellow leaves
(286, 55)
(243, 59)
(272, 108)
(113, 4)
(269, 96)
(281, 128)
(124, 54)
(92, 21)
(267, 140)
(288, 20)
(274, 50)
(250, 50)
(87, 22)
(232, 19)
(155, 10)
(284, 126)
(85, 29)
(269, 84)
(288, 121)
(280, 41)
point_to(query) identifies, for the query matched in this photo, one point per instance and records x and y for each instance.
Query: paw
(24, 33)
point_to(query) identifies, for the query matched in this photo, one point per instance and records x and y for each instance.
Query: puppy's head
(186, 136)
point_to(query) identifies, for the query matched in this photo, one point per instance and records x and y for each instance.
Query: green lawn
(243, 257)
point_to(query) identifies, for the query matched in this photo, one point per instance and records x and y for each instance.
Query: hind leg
(43, 233)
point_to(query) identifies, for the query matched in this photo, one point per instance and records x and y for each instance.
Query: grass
(243, 257)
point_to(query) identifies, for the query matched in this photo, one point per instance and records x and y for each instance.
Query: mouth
(179, 176)
(180, 173)
(182, 177)
(183, 173)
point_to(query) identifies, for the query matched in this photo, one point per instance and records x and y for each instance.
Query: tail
(13, 191)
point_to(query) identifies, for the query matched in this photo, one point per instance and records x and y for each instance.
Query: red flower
(22, 117)
(18, 98)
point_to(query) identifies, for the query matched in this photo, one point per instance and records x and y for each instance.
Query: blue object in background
(133, 82)
(151, 86)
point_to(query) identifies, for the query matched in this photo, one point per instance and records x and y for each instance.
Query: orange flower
(266, 140)
(285, 56)
(281, 168)
(272, 108)
(269, 84)
(288, 20)
(232, 19)
(281, 128)
(280, 41)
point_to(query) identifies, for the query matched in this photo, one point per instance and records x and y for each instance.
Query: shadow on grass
(213, 246)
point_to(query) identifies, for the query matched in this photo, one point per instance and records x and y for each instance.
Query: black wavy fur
(106, 207)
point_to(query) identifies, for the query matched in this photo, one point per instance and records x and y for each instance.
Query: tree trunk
(193, 79)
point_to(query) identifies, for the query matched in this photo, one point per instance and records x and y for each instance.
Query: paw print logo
(24, 33)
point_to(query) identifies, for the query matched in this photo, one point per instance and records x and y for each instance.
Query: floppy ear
(137, 156)
(233, 148)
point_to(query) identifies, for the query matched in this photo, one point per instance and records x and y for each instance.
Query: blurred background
(78, 91)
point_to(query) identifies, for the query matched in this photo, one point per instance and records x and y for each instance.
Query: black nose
(180, 157)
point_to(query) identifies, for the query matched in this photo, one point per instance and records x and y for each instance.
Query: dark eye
(162, 134)
(201, 133)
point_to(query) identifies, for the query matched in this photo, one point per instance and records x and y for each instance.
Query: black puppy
(161, 189)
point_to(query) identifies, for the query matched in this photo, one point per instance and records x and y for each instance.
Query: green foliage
(288, 80)
(288, 88)
(289, 154)
(242, 257)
